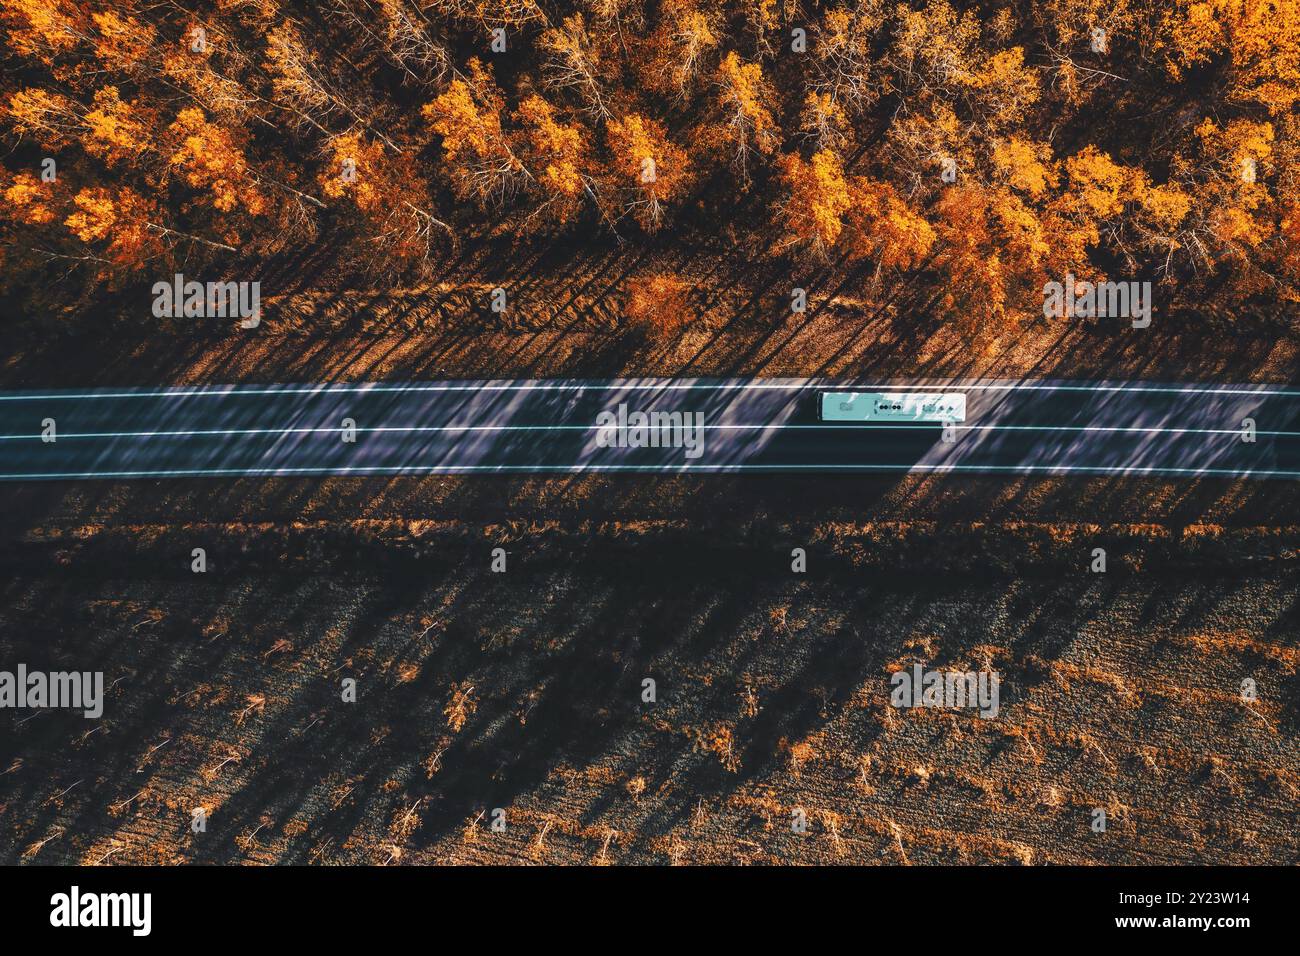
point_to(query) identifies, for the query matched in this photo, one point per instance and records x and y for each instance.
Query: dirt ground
(522, 690)
(564, 319)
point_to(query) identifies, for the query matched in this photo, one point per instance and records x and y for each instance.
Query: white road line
(633, 385)
(569, 469)
(850, 426)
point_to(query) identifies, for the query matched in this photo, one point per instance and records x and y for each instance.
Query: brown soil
(522, 690)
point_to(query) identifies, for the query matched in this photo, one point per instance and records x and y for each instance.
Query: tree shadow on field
(551, 657)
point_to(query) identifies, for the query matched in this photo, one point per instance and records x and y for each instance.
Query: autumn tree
(215, 76)
(934, 49)
(115, 131)
(42, 29)
(622, 15)
(574, 62)
(296, 81)
(815, 197)
(882, 227)
(52, 119)
(825, 209)
(1220, 209)
(404, 34)
(1160, 139)
(300, 86)
(1024, 165)
(211, 160)
(991, 255)
(32, 234)
(388, 196)
(745, 104)
(646, 169)
(823, 122)
(117, 226)
(558, 155)
(1255, 45)
(761, 19)
(1000, 90)
(929, 147)
(123, 42)
(658, 304)
(497, 13)
(847, 77)
(1084, 41)
(28, 200)
(480, 160)
(674, 57)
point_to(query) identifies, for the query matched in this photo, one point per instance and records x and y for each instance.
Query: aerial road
(663, 425)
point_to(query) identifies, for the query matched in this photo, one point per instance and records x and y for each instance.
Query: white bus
(914, 407)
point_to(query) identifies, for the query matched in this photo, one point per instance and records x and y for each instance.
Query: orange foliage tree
(646, 169)
(988, 144)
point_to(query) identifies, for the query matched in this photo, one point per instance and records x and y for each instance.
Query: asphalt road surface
(752, 425)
